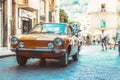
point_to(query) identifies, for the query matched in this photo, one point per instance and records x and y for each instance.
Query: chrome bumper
(40, 50)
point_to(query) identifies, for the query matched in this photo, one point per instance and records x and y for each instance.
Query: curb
(7, 55)
(5, 52)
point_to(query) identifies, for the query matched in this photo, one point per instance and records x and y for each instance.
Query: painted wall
(95, 5)
(110, 15)
(34, 4)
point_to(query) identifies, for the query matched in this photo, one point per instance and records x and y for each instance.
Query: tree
(63, 16)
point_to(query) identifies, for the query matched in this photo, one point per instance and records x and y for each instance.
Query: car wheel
(64, 60)
(21, 60)
(75, 57)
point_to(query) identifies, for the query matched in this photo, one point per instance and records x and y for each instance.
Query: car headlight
(58, 42)
(21, 44)
(50, 45)
(14, 41)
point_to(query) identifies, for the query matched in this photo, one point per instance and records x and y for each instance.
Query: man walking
(103, 40)
(118, 39)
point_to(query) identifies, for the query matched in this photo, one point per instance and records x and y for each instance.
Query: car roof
(52, 23)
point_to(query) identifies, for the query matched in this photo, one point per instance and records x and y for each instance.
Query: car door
(74, 42)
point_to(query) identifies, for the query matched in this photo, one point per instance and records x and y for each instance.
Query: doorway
(27, 25)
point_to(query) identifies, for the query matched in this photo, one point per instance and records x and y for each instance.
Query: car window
(70, 30)
(36, 29)
(50, 28)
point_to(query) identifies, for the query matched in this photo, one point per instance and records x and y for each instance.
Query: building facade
(1, 22)
(19, 16)
(51, 10)
(25, 15)
(103, 16)
(118, 11)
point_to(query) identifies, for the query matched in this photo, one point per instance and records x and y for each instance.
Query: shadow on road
(39, 66)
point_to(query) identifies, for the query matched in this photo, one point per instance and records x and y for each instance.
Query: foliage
(63, 16)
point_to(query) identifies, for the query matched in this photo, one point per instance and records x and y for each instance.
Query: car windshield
(50, 28)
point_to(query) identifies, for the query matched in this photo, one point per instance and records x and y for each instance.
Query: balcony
(25, 4)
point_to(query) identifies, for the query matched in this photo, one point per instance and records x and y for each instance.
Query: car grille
(35, 44)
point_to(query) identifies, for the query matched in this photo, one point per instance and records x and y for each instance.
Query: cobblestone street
(93, 64)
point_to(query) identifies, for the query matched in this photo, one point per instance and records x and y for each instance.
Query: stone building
(103, 15)
(118, 11)
(1, 21)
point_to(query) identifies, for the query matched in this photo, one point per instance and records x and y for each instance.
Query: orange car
(47, 40)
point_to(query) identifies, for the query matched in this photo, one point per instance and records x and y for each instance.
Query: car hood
(41, 37)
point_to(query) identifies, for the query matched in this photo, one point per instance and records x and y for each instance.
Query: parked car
(47, 41)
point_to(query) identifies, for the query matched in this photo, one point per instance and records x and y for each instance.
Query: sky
(73, 7)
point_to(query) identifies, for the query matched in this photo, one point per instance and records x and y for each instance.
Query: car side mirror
(72, 33)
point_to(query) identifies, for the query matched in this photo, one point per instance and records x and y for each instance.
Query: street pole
(8, 23)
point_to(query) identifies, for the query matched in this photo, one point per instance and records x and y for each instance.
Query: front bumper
(40, 50)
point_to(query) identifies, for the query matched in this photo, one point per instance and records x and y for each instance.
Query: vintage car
(47, 41)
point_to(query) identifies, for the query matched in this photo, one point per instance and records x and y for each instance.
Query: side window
(103, 7)
(70, 30)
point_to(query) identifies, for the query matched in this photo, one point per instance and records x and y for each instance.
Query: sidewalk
(5, 52)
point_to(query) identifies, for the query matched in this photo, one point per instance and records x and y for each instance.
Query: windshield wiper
(34, 32)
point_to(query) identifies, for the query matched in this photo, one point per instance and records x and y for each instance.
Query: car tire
(64, 60)
(75, 56)
(21, 60)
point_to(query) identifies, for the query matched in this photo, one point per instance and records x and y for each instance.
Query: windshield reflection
(50, 28)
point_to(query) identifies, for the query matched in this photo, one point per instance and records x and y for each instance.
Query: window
(42, 7)
(103, 6)
(0, 5)
(42, 10)
(103, 24)
(26, 2)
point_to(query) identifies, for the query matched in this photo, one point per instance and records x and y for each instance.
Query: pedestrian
(111, 42)
(118, 38)
(80, 36)
(94, 40)
(88, 39)
(98, 39)
(103, 40)
(115, 42)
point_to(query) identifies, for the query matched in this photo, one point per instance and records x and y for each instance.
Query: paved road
(93, 64)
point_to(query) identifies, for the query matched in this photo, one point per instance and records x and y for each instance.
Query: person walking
(118, 38)
(103, 40)
(111, 42)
